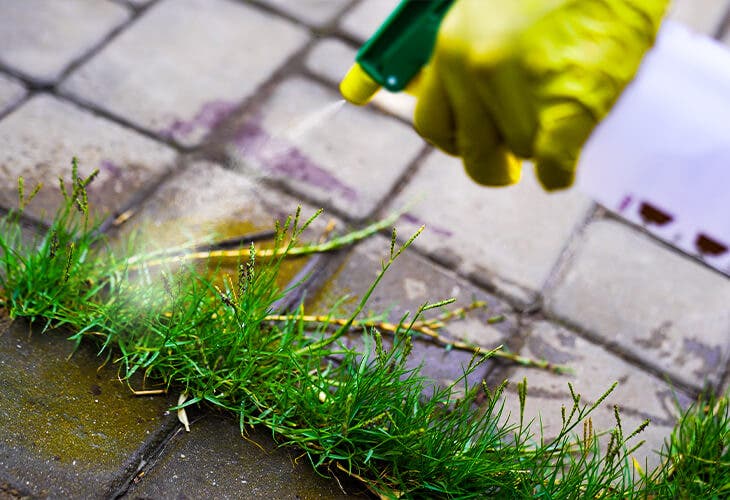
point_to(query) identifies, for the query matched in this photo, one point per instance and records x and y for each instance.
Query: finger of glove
(564, 128)
(485, 157)
(433, 118)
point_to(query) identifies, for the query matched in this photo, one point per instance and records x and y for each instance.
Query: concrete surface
(216, 117)
(11, 91)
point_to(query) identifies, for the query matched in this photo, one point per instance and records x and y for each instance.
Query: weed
(364, 412)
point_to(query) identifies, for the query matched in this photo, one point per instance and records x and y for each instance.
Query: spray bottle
(394, 55)
(660, 159)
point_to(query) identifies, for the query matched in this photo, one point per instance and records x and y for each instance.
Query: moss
(69, 410)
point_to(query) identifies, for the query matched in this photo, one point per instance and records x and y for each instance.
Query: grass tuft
(364, 412)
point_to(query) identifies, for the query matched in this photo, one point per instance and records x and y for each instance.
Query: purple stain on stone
(210, 115)
(711, 356)
(412, 219)
(624, 204)
(213, 113)
(283, 159)
(111, 167)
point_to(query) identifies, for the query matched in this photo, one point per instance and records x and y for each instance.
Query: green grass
(364, 412)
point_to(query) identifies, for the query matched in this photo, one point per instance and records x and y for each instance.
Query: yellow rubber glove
(529, 79)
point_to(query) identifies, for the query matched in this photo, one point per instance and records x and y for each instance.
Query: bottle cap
(357, 86)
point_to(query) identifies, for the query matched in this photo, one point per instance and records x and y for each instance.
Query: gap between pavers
(639, 395)
(185, 65)
(631, 293)
(69, 428)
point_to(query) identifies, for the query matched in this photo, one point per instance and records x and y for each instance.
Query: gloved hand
(529, 79)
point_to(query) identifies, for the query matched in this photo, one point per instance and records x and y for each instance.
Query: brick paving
(199, 115)
(41, 136)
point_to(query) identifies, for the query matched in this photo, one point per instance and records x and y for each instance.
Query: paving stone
(38, 140)
(207, 200)
(340, 155)
(639, 395)
(363, 20)
(410, 282)
(208, 203)
(508, 238)
(213, 460)
(331, 58)
(41, 38)
(67, 428)
(11, 91)
(313, 12)
(660, 307)
(703, 16)
(185, 65)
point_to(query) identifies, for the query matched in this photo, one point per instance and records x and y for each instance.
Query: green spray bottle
(394, 55)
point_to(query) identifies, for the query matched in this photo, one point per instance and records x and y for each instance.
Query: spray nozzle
(394, 55)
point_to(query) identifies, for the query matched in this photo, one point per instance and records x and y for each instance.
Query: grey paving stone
(639, 395)
(41, 38)
(313, 12)
(703, 16)
(410, 282)
(362, 21)
(653, 303)
(11, 91)
(67, 428)
(38, 140)
(331, 58)
(508, 238)
(207, 201)
(185, 65)
(340, 155)
(213, 460)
